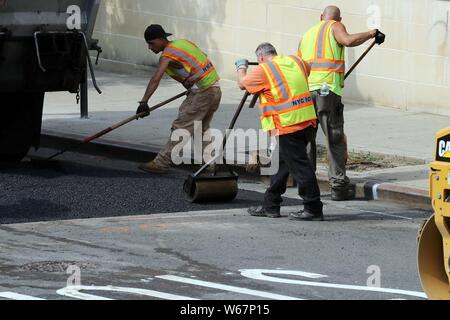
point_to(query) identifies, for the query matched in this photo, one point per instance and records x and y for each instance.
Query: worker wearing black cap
(186, 63)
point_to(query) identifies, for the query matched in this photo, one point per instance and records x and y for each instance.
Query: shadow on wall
(194, 20)
(352, 93)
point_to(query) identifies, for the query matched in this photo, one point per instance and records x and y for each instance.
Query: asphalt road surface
(88, 227)
(77, 186)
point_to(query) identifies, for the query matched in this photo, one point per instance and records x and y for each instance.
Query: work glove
(187, 84)
(143, 107)
(241, 64)
(379, 37)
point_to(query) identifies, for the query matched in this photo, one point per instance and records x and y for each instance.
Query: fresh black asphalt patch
(60, 190)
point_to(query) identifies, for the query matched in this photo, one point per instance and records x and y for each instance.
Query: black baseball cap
(155, 31)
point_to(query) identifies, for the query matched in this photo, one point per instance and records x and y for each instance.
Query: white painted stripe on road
(371, 211)
(386, 214)
(74, 292)
(259, 275)
(191, 214)
(164, 216)
(257, 293)
(375, 191)
(17, 296)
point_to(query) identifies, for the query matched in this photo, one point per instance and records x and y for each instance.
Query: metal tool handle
(239, 109)
(120, 124)
(135, 117)
(227, 133)
(359, 60)
(254, 101)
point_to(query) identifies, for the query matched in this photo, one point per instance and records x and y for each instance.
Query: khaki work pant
(330, 113)
(198, 106)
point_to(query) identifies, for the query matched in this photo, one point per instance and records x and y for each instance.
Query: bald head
(331, 13)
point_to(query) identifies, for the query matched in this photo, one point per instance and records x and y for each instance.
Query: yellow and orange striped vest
(292, 102)
(325, 55)
(197, 68)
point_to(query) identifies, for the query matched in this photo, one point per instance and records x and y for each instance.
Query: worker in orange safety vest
(287, 111)
(323, 47)
(186, 63)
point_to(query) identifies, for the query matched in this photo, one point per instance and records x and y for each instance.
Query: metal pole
(359, 60)
(84, 99)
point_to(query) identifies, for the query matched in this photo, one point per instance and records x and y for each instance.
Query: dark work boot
(264, 212)
(303, 215)
(344, 194)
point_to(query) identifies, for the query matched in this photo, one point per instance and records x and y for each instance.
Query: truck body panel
(44, 47)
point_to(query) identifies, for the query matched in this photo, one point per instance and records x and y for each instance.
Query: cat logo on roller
(443, 149)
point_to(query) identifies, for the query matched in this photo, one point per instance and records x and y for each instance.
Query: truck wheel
(20, 125)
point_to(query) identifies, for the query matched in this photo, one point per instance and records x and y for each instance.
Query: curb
(383, 191)
(397, 193)
(365, 189)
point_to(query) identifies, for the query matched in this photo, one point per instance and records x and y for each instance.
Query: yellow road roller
(434, 235)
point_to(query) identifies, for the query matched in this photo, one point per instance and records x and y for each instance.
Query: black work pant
(330, 113)
(294, 160)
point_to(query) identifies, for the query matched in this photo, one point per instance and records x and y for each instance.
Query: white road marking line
(257, 293)
(153, 216)
(191, 214)
(259, 275)
(371, 211)
(17, 296)
(385, 214)
(375, 191)
(74, 292)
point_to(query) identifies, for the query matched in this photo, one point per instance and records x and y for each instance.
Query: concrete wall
(410, 71)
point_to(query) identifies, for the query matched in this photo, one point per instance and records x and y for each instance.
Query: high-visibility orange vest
(325, 55)
(197, 68)
(289, 88)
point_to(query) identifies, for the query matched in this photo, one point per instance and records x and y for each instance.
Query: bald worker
(323, 47)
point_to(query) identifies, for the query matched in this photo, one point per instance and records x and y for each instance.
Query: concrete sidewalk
(396, 133)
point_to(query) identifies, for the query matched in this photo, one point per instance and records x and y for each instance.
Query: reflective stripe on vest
(183, 75)
(298, 102)
(321, 40)
(279, 81)
(179, 54)
(289, 88)
(324, 58)
(325, 55)
(204, 70)
(301, 64)
(197, 68)
(180, 74)
(327, 66)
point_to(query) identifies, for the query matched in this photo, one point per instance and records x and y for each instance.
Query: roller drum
(211, 188)
(430, 257)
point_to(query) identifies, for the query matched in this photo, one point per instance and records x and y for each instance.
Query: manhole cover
(56, 266)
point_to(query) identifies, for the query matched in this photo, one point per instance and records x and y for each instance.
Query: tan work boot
(152, 167)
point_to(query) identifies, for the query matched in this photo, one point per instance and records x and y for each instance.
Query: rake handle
(359, 60)
(120, 124)
(132, 118)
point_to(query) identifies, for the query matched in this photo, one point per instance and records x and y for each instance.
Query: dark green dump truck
(44, 47)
